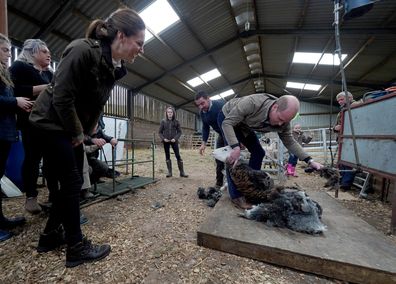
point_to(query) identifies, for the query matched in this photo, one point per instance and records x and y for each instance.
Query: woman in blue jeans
(8, 134)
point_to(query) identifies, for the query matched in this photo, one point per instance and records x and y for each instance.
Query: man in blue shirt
(209, 111)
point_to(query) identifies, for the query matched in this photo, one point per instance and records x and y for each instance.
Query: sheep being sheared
(292, 209)
(255, 185)
(278, 206)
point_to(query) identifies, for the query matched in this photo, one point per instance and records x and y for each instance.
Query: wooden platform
(350, 250)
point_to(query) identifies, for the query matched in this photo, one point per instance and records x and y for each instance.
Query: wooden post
(3, 17)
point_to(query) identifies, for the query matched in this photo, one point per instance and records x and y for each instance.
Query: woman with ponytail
(68, 109)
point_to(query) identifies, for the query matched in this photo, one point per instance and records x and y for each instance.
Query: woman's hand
(24, 103)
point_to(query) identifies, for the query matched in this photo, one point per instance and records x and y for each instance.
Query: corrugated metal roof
(207, 36)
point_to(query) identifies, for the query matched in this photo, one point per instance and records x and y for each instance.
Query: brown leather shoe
(241, 203)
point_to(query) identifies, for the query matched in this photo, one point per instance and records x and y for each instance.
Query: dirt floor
(152, 233)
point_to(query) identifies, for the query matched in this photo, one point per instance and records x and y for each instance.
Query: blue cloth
(257, 153)
(346, 177)
(209, 119)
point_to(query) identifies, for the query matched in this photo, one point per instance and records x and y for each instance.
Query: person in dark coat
(209, 111)
(170, 132)
(8, 134)
(68, 109)
(93, 144)
(31, 74)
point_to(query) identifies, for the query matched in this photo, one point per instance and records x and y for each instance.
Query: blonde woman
(8, 134)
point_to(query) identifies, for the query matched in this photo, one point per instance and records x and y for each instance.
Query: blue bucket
(14, 163)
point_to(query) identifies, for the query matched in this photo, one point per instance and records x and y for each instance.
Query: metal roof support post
(3, 17)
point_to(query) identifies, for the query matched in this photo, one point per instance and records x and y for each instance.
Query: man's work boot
(241, 203)
(85, 251)
(181, 169)
(169, 166)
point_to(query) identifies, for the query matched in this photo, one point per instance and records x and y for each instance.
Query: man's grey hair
(342, 94)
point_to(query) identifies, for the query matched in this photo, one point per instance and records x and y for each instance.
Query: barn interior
(232, 49)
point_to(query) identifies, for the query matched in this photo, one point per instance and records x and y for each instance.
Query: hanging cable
(344, 85)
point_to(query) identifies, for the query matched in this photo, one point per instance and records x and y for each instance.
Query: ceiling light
(251, 46)
(255, 65)
(253, 57)
(256, 71)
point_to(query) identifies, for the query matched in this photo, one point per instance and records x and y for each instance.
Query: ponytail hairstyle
(124, 20)
(4, 74)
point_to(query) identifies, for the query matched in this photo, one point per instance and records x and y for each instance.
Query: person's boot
(289, 169)
(52, 240)
(169, 166)
(86, 194)
(32, 206)
(5, 235)
(9, 223)
(181, 169)
(85, 251)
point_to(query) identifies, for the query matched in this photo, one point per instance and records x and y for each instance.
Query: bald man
(241, 117)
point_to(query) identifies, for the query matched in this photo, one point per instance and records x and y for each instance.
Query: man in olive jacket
(241, 117)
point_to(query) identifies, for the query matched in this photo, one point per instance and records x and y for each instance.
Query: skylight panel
(312, 87)
(302, 86)
(223, 95)
(306, 57)
(294, 85)
(158, 16)
(195, 82)
(206, 77)
(315, 57)
(330, 59)
(212, 74)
